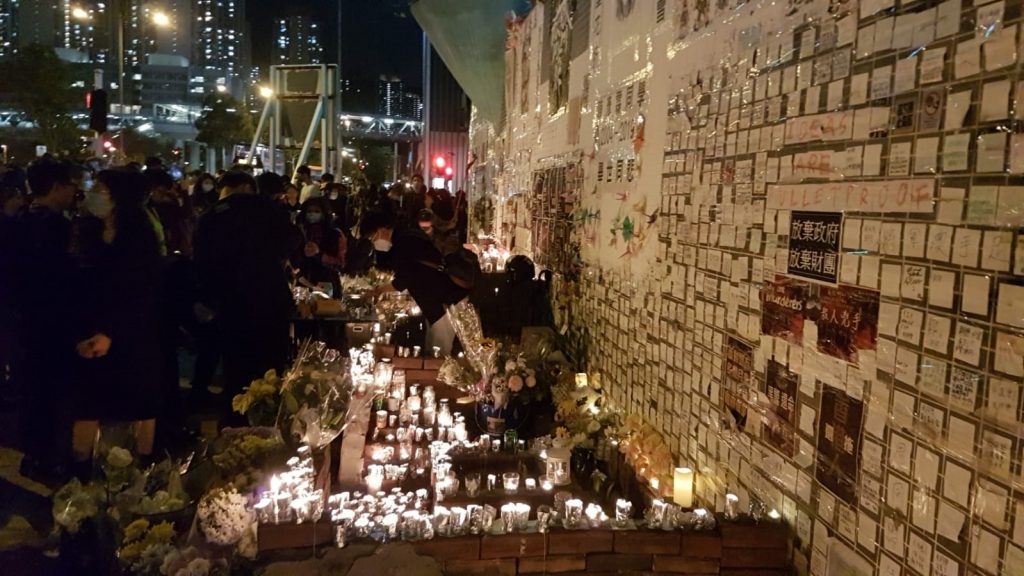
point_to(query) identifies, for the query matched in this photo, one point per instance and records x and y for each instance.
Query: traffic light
(97, 101)
(441, 167)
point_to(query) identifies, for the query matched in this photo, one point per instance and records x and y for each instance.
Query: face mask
(314, 217)
(99, 205)
(207, 187)
(382, 245)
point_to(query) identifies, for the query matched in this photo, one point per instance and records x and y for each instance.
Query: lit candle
(682, 487)
(732, 503)
(546, 484)
(655, 484)
(491, 481)
(774, 515)
(531, 484)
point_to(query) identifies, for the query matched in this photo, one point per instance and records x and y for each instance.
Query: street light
(161, 19)
(266, 92)
(79, 13)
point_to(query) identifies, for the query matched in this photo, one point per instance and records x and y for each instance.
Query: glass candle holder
(573, 513)
(508, 517)
(264, 511)
(475, 512)
(382, 419)
(543, 518)
(594, 515)
(531, 484)
(522, 516)
(510, 481)
(623, 512)
(492, 480)
(546, 484)
(472, 482)
(732, 503)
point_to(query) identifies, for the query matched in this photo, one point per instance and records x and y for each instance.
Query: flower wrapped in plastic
(313, 402)
(224, 516)
(319, 394)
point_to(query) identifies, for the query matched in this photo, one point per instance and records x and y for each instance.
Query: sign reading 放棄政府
(814, 245)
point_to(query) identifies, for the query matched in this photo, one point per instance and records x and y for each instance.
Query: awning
(469, 36)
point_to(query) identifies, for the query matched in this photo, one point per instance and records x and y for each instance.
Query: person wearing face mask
(204, 192)
(43, 285)
(241, 247)
(118, 338)
(418, 267)
(324, 247)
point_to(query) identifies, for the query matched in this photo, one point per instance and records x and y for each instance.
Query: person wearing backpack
(432, 280)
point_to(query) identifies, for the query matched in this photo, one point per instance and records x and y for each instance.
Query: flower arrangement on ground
(582, 414)
(311, 404)
(224, 517)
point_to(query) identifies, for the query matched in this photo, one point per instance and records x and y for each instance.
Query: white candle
(546, 484)
(682, 487)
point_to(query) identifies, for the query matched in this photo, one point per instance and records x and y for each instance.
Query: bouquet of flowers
(74, 503)
(313, 403)
(241, 454)
(224, 517)
(460, 374)
(145, 546)
(581, 413)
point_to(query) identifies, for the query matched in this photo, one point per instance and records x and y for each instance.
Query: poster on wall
(782, 303)
(814, 245)
(779, 425)
(847, 321)
(739, 370)
(839, 431)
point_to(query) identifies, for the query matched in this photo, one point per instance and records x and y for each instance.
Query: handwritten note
(889, 196)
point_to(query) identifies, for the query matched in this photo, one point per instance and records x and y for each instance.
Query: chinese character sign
(779, 428)
(847, 321)
(739, 370)
(839, 427)
(814, 245)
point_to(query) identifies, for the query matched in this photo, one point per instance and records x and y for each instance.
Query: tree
(38, 83)
(224, 123)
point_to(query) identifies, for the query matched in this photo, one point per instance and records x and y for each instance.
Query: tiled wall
(864, 379)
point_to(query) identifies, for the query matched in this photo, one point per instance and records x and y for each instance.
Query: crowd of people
(108, 273)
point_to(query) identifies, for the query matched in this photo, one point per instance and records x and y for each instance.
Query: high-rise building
(8, 27)
(37, 22)
(389, 96)
(217, 33)
(297, 40)
(412, 106)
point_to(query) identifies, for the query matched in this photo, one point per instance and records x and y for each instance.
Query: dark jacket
(416, 263)
(120, 296)
(241, 246)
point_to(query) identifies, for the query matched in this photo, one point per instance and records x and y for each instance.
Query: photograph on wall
(847, 321)
(739, 372)
(779, 428)
(839, 434)
(782, 303)
(814, 245)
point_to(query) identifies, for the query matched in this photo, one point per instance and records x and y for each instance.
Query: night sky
(380, 37)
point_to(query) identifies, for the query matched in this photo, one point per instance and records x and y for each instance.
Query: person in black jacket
(241, 247)
(43, 286)
(119, 337)
(418, 268)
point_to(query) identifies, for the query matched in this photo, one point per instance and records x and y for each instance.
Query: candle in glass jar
(531, 484)
(546, 484)
(428, 416)
(732, 503)
(491, 481)
(413, 403)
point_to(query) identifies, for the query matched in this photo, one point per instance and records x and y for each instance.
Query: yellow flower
(136, 529)
(241, 403)
(161, 533)
(132, 551)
